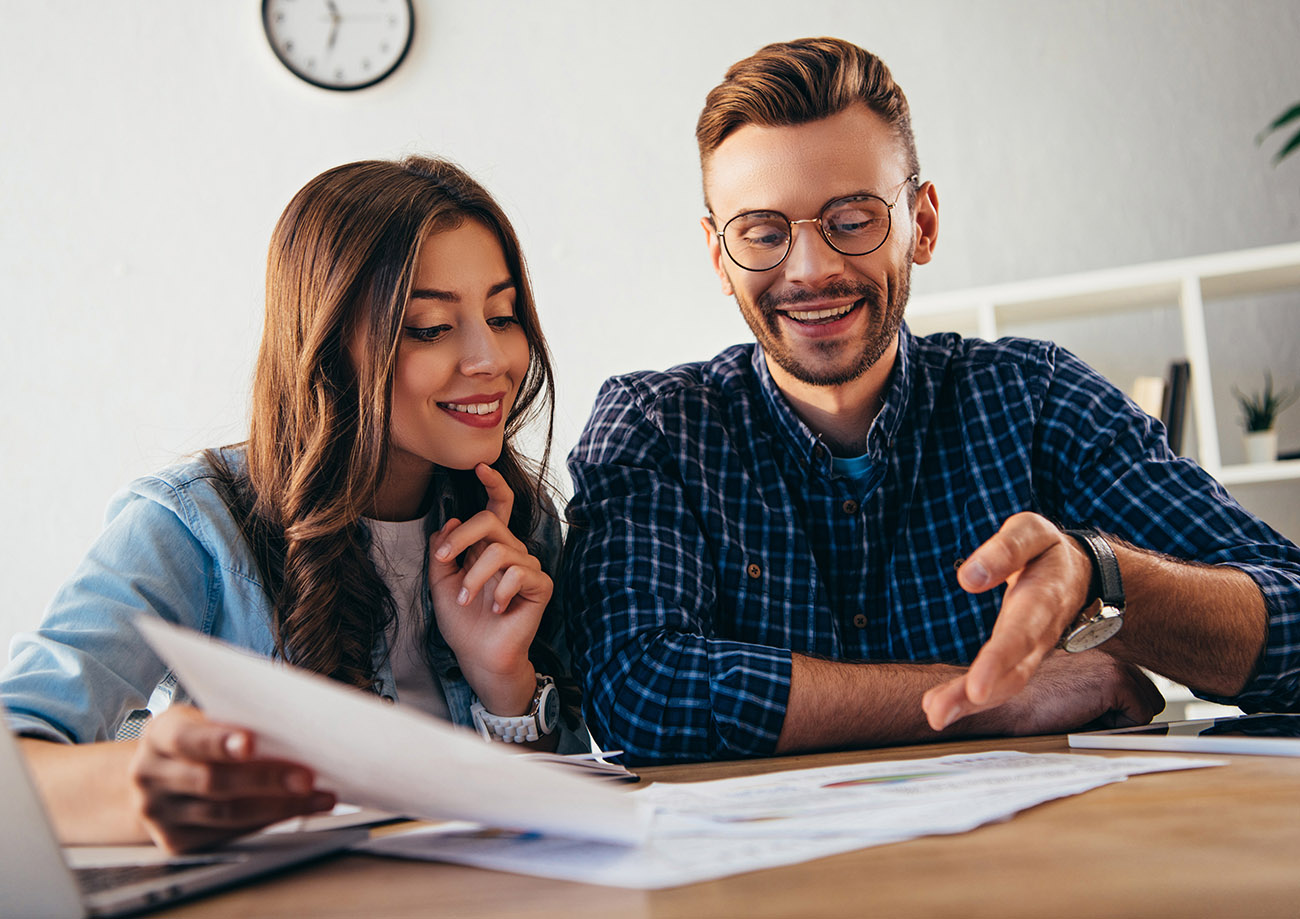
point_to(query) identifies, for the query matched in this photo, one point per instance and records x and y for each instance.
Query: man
(846, 535)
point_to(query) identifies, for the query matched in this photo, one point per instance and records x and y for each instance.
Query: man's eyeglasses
(852, 225)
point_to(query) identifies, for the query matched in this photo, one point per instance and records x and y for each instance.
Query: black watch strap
(1106, 584)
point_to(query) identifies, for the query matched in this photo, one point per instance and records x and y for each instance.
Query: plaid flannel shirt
(710, 535)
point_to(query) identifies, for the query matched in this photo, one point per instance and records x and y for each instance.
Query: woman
(377, 526)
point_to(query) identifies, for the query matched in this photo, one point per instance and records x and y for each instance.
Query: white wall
(147, 147)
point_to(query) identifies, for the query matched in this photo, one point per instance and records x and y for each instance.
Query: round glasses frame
(821, 226)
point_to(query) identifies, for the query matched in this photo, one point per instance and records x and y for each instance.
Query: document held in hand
(387, 757)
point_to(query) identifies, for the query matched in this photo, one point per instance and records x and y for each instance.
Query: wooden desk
(1221, 842)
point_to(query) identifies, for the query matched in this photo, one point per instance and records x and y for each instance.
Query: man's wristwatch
(541, 719)
(1103, 613)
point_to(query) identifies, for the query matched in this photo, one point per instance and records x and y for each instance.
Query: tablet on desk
(1270, 735)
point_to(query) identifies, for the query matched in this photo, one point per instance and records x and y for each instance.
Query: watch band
(539, 721)
(1106, 586)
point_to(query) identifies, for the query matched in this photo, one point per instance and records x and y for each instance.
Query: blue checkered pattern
(710, 535)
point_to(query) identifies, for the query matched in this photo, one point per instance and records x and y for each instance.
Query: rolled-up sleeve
(1107, 464)
(640, 582)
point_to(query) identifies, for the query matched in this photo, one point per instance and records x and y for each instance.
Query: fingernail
(236, 746)
(442, 553)
(297, 783)
(975, 574)
(463, 597)
(496, 607)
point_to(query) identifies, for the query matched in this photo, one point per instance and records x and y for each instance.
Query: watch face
(1094, 632)
(339, 44)
(549, 709)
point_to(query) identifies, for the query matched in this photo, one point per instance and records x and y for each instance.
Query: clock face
(339, 44)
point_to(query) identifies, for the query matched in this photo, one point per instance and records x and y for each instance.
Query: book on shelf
(1173, 411)
(1149, 394)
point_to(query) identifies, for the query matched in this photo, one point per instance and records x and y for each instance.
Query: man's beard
(885, 317)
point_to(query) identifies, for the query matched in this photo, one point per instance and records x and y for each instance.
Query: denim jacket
(171, 548)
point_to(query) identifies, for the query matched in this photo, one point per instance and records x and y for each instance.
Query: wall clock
(339, 44)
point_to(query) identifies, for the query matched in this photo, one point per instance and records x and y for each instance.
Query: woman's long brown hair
(339, 273)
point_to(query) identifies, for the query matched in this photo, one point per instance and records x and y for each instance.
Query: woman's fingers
(183, 731)
(200, 783)
(500, 499)
(497, 560)
(225, 781)
(455, 537)
(180, 824)
(242, 814)
(517, 580)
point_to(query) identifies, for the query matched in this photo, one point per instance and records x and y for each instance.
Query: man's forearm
(837, 704)
(834, 704)
(1203, 626)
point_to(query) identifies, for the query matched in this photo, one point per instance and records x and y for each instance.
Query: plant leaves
(1288, 148)
(1290, 114)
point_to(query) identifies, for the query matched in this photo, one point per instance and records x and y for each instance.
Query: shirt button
(753, 570)
(850, 506)
(860, 621)
(819, 451)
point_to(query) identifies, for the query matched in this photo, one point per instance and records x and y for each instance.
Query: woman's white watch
(540, 720)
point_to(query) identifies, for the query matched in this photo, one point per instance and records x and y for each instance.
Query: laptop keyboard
(99, 879)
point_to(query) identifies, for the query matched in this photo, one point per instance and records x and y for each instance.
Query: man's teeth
(817, 315)
(473, 408)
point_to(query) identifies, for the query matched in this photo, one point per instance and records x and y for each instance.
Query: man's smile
(821, 316)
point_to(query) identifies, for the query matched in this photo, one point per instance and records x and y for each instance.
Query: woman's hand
(200, 783)
(488, 596)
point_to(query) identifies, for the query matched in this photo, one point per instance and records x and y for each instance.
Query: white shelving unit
(1189, 283)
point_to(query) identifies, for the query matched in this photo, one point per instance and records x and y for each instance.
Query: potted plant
(1259, 413)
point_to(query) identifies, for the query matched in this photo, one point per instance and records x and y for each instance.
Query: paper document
(595, 765)
(706, 830)
(387, 757)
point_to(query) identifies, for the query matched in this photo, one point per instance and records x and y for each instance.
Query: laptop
(37, 879)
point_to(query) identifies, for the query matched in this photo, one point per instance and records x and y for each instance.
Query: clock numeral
(288, 47)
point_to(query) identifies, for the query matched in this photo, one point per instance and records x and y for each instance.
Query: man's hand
(1047, 577)
(1071, 691)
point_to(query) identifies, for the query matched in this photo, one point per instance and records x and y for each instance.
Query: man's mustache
(836, 290)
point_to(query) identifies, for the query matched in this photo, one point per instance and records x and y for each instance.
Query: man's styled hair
(790, 83)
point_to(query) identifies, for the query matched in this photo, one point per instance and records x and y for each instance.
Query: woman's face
(461, 357)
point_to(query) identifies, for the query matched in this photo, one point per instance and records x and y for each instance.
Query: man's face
(824, 318)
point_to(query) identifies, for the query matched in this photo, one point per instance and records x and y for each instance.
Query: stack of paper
(706, 830)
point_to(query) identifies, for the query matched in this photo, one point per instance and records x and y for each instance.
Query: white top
(398, 548)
